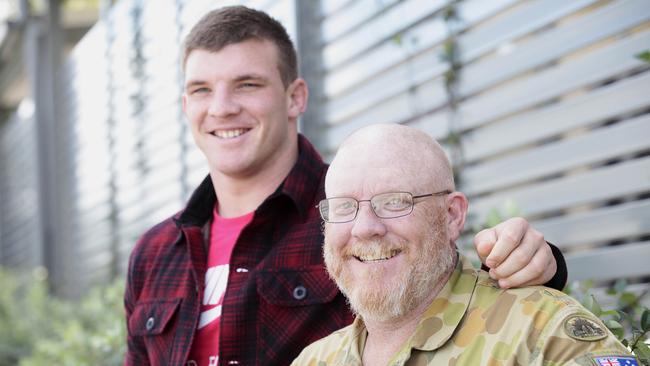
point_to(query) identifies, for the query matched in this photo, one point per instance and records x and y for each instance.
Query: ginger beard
(371, 294)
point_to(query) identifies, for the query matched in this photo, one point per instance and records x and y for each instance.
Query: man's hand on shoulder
(516, 254)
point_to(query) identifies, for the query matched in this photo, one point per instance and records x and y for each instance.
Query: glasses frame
(413, 198)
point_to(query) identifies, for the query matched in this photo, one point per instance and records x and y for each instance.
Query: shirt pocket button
(300, 292)
(150, 323)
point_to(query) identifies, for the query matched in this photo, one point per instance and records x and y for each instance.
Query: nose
(367, 225)
(223, 103)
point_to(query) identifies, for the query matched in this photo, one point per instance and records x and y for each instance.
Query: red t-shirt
(223, 236)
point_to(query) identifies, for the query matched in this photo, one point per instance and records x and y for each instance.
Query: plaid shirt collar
(300, 186)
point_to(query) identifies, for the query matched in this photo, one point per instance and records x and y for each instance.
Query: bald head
(388, 254)
(385, 152)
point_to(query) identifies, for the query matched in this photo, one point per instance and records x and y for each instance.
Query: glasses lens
(392, 204)
(338, 209)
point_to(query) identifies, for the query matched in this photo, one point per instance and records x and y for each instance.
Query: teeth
(229, 134)
(372, 257)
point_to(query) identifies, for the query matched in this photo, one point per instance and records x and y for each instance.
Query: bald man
(392, 216)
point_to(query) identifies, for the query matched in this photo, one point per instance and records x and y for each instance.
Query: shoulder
(156, 239)
(505, 313)
(556, 327)
(538, 307)
(576, 336)
(329, 349)
(155, 243)
(531, 298)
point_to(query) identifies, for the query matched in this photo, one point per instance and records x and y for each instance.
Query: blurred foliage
(37, 328)
(496, 215)
(629, 320)
(644, 56)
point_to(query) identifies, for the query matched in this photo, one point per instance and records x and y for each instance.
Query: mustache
(372, 248)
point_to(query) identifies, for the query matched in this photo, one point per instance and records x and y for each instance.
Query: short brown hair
(234, 24)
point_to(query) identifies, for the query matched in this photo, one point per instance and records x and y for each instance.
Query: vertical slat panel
(20, 238)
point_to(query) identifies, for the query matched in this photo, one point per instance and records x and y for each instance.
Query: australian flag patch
(616, 361)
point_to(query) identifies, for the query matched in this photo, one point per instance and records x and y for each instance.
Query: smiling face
(388, 272)
(387, 267)
(241, 115)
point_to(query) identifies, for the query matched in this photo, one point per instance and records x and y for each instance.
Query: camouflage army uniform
(474, 322)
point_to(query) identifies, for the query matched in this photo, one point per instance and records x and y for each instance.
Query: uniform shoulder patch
(616, 361)
(583, 329)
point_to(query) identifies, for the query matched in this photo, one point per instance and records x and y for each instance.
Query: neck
(386, 337)
(239, 195)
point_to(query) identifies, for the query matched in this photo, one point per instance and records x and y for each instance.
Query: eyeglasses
(387, 205)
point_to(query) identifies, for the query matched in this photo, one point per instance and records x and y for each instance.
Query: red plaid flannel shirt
(279, 297)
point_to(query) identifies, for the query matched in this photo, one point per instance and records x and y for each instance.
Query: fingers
(540, 270)
(520, 256)
(484, 242)
(517, 254)
(509, 235)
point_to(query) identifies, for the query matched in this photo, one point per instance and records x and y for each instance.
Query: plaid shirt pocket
(154, 321)
(293, 304)
(307, 286)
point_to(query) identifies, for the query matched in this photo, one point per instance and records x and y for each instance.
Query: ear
(297, 96)
(184, 103)
(456, 213)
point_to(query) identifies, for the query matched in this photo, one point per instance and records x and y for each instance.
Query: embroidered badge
(616, 361)
(583, 329)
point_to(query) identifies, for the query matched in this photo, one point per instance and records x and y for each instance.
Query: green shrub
(26, 314)
(39, 329)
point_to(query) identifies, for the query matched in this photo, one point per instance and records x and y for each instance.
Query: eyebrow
(240, 78)
(250, 77)
(191, 83)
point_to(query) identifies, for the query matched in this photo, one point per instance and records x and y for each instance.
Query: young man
(237, 277)
(392, 218)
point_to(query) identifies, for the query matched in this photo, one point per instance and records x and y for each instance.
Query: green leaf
(642, 351)
(612, 313)
(616, 328)
(644, 56)
(645, 320)
(613, 324)
(623, 315)
(627, 299)
(592, 305)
